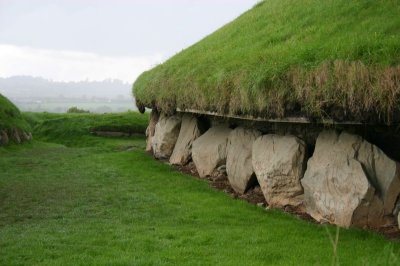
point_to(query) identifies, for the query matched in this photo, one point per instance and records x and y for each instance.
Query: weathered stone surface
(278, 162)
(23, 136)
(350, 182)
(398, 219)
(396, 209)
(3, 138)
(15, 136)
(154, 117)
(190, 130)
(165, 135)
(238, 164)
(209, 150)
(382, 172)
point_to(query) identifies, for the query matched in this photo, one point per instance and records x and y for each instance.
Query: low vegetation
(110, 203)
(321, 59)
(76, 110)
(77, 128)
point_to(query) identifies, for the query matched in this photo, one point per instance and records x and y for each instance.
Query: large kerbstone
(398, 219)
(15, 135)
(190, 131)
(382, 172)
(24, 136)
(3, 138)
(209, 150)
(278, 162)
(239, 152)
(150, 130)
(165, 135)
(350, 182)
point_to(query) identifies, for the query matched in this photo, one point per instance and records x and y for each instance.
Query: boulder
(154, 116)
(24, 136)
(165, 135)
(396, 209)
(191, 129)
(15, 136)
(209, 150)
(350, 182)
(3, 138)
(278, 162)
(398, 219)
(382, 172)
(238, 163)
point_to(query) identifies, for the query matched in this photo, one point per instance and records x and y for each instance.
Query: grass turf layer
(323, 59)
(107, 205)
(10, 116)
(75, 129)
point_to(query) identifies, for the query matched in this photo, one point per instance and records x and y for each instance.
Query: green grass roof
(10, 116)
(324, 59)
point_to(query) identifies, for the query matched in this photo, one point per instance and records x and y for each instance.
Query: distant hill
(39, 94)
(33, 87)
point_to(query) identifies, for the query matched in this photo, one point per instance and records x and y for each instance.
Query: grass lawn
(113, 204)
(62, 107)
(74, 129)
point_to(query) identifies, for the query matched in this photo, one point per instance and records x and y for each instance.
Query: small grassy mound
(321, 59)
(10, 116)
(75, 129)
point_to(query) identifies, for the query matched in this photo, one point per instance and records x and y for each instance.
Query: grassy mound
(321, 59)
(10, 116)
(75, 129)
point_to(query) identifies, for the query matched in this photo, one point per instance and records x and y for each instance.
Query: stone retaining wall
(14, 135)
(342, 175)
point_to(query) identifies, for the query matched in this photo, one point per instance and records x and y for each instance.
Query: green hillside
(10, 116)
(322, 59)
(77, 129)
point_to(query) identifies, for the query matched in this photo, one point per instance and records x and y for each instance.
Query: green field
(104, 201)
(62, 107)
(321, 59)
(75, 129)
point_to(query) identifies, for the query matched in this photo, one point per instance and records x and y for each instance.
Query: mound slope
(12, 126)
(308, 58)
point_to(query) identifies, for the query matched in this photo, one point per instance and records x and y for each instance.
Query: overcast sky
(99, 39)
